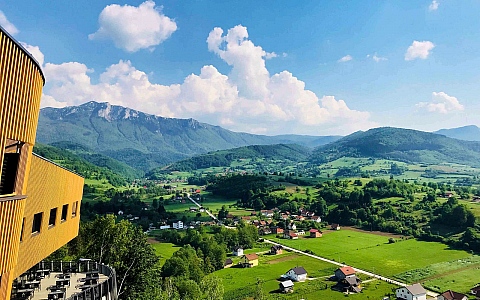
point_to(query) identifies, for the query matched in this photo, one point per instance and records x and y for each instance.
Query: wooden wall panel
(49, 186)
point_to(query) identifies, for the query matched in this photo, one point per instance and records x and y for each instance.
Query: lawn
(241, 283)
(373, 252)
(163, 250)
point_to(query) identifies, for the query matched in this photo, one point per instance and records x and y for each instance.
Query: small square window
(37, 222)
(64, 212)
(53, 217)
(74, 209)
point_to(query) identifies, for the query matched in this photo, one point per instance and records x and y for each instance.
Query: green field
(163, 250)
(373, 253)
(240, 283)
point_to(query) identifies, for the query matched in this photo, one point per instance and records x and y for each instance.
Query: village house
(292, 226)
(335, 226)
(301, 232)
(290, 235)
(317, 219)
(299, 218)
(276, 249)
(411, 292)
(264, 231)
(286, 286)
(177, 225)
(315, 233)
(249, 260)
(228, 263)
(344, 272)
(350, 284)
(237, 251)
(277, 230)
(267, 213)
(297, 274)
(451, 295)
(193, 208)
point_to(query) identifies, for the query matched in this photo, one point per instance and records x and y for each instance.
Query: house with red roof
(344, 272)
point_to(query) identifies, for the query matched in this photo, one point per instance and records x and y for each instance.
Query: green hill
(224, 158)
(145, 141)
(401, 145)
(80, 165)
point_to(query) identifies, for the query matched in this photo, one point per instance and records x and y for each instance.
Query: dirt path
(449, 272)
(387, 234)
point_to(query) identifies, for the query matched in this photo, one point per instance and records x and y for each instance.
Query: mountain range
(145, 141)
(467, 133)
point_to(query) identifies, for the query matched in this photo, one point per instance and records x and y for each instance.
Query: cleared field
(163, 250)
(373, 252)
(240, 283)
(461, 281)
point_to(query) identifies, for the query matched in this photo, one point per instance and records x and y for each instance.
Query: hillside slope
(141, 140)
(400, 144)
(224, 158)
(467, 133)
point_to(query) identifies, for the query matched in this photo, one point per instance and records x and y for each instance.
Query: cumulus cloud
(433, 6)
(133, 28)
(419, 50)
(345, 58)
(441, 103)
(248, 98)
(9, 27)
(35, 51)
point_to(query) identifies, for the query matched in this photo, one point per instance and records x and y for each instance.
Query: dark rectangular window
(9, 173)
(64, 212)
(37, 222)
(53, 217)
(74, 209)
(21, 232)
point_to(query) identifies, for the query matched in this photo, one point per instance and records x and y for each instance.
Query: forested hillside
(402, 145)
(224, 158)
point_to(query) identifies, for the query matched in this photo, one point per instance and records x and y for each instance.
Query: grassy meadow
(407, 260)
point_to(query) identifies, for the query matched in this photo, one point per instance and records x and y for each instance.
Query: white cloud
(419, 50)
(9, 27)
(248, 98)
(35, 51)
(433, 6)
(133, 28)
(378, 58)
(441, 103)
(345, 58)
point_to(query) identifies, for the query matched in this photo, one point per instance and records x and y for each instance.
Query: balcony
(73, 280)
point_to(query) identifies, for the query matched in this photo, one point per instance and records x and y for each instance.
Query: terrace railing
(105, 290)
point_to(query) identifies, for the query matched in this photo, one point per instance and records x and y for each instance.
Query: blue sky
(316, 67)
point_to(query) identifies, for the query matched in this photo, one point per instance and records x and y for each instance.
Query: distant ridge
(400, 144)
(467, 133)
(145, 141)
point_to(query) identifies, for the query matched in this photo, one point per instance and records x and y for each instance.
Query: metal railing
(105, 290)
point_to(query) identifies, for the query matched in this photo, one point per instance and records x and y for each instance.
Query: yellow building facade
(39, 200)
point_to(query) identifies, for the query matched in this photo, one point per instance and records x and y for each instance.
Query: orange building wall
(40, 185)
(49, 186)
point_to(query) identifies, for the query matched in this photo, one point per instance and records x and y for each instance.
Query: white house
(297, 274)
(164, 227)
(292, 226)
(178, 225)
(451, 295)
(317, 219)
(411, 292)
(237, 251)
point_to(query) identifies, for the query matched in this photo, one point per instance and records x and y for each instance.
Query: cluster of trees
(80, 165)
(124, 247)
